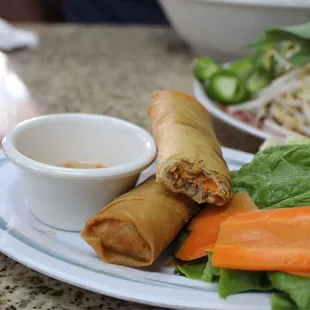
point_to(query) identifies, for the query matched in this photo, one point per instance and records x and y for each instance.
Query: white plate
(66, 257)
(215, 110)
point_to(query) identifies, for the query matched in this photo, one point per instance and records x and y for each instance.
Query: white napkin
(13, 38)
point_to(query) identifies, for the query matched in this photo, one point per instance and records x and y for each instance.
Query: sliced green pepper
(258, 58)
(258, 79)
(242, 67)
(263, 58)
(227, 87)
(204, 68)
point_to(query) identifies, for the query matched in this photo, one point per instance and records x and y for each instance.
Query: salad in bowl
(270, 89)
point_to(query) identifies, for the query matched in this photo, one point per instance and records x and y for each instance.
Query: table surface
(97, 69)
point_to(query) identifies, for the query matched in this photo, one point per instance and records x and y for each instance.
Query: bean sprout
(285, 103)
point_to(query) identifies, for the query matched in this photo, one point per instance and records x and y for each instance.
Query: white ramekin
(65, 198)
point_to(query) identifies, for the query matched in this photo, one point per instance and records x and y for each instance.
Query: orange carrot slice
(265, 240)
(204, 228)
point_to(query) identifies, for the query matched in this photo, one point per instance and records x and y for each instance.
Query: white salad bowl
(223, 28)
(65, 198)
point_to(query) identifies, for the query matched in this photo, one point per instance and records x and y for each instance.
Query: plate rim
(117, 289)
(225, 117)
(55, 268)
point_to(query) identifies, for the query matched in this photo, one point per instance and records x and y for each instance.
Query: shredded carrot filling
(209, 185)
(78, 165)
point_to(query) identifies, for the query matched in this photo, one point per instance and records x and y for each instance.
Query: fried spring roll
(190, 159)
(135, 228)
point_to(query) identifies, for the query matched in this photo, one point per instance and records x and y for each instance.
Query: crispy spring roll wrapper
(190, 159)
(135, 228)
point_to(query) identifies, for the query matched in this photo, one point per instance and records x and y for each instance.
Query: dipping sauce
(79, 165)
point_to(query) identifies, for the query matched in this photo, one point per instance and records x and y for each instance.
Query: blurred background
(85, 55)
(83, 11)
(32, 10)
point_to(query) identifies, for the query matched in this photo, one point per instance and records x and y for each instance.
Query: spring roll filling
(190, 179)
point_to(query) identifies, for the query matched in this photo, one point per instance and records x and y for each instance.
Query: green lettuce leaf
(271, 141)
(278, 177)
(200, 269)
(230, 281)
(238, 281)
(300, 59)
(297, 33)
(180, 239)
(193, 272)
(297, 288)
(210, 273)
(297, 140)
(282, 302)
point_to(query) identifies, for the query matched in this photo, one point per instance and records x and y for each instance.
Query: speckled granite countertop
(97, 69)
